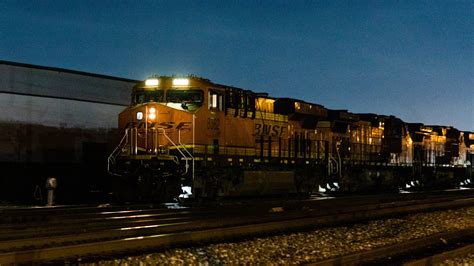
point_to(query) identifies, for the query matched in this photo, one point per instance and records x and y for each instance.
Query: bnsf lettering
(269, 130)
(164, 125)
(213, 123)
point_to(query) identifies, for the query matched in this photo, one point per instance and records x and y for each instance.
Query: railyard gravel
(464, 261)
(313, 245)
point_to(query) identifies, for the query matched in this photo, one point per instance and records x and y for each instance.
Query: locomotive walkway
(54, 234)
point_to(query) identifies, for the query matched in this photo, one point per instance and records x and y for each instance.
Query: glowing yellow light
(152, 110)
(152, 116)
(269, 100)
(297, 105)
(426, 129)
(152, 82)
(180, 82)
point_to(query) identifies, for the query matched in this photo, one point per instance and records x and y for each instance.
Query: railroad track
(406, 253)
(99, 231)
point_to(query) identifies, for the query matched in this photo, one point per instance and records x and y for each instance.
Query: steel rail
(439, 258)
(397, 249)
(81, 219)
(59, 230)
(25, 215)
(39, 214)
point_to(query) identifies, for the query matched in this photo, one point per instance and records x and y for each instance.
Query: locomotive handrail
(186, 150)
(113, 155)
(183, 145)
(177, 148)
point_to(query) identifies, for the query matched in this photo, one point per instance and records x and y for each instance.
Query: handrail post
(179, 150)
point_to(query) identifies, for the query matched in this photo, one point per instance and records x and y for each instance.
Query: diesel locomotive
(218, 140)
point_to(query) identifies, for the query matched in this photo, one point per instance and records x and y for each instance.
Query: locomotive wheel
(158, 186)
(166, 189)
(124, 190)
(147, 187)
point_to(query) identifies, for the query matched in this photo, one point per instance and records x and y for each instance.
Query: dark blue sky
(412, 59)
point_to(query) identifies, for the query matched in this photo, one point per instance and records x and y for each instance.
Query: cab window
(155, 96)
(148, 96)
(190, 100)
(215, 100)
(140, 97)
(184, 96)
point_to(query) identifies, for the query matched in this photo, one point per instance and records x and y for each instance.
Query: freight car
(57, 122)
(226, 141)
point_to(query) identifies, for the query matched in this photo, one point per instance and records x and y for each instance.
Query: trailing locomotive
(226, 141)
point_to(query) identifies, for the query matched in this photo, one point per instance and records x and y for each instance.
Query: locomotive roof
(332, 113)
(298, 100)
(201, 79)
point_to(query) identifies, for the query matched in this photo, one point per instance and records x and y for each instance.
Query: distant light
(152, 110)
(187, 192)
(152, 82)
(269, 101)
(139, 115)
(152, 116)
(297, 105)
(180, 82)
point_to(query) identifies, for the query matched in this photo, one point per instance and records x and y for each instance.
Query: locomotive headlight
(180, 82)
(152, 113)
(139, 115)
(152, 82)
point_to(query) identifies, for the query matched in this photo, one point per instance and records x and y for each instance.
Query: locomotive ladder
(186, 155)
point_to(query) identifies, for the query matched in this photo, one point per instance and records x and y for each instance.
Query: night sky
(411, 59)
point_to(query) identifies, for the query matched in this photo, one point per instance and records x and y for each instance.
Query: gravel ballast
(464, 261)
(313, 245)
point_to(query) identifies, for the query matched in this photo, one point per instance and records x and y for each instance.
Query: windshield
(190, 100)
(149, 96)
(185, 96)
